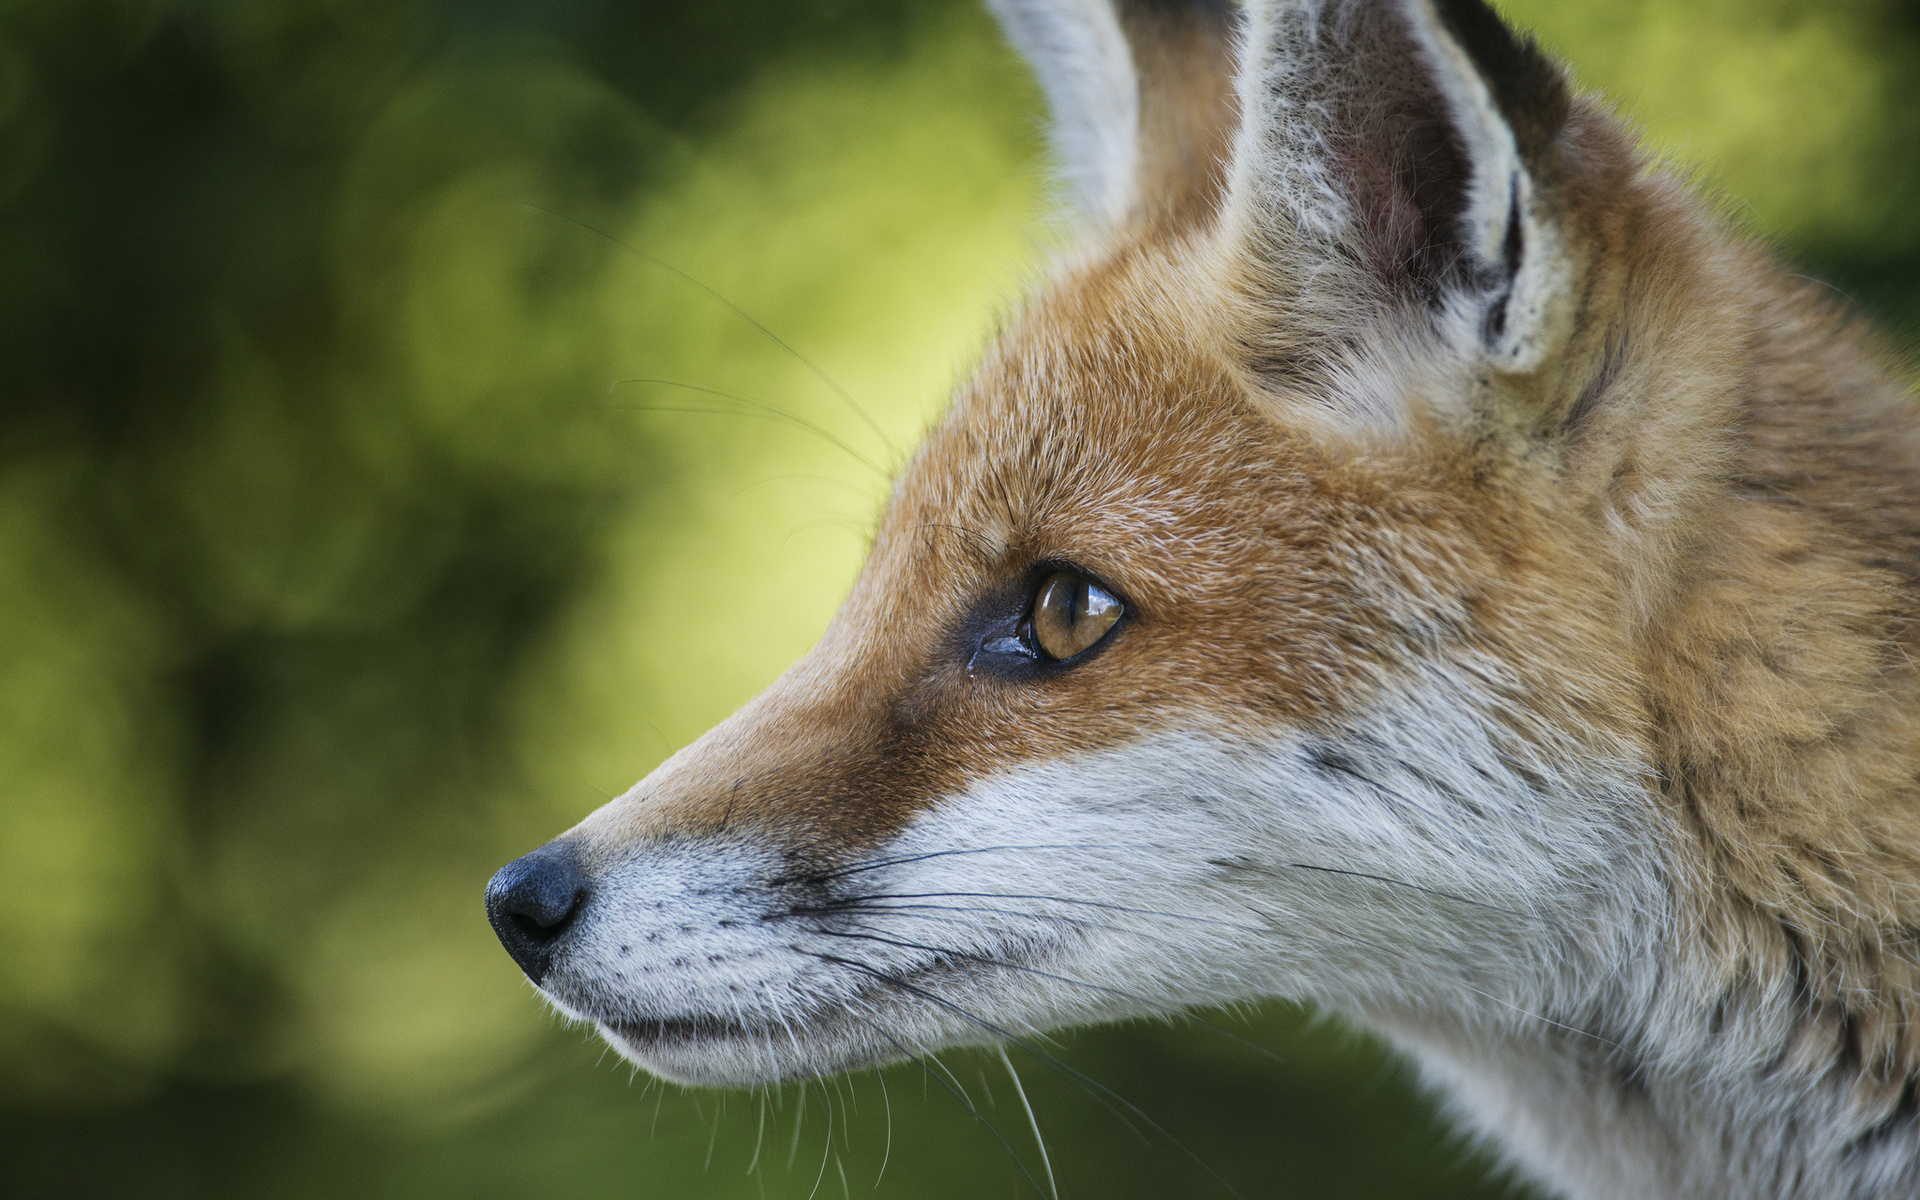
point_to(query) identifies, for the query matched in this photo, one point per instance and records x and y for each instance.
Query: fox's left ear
(1142, 98)
(1397, 169)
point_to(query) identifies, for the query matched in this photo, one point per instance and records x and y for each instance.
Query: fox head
(1253, 623)
(1268, 615)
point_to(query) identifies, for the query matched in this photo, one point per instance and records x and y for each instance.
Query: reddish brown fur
(1184, 60)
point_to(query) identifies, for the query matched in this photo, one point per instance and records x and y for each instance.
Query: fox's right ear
(1398, 179)
(1142, 96)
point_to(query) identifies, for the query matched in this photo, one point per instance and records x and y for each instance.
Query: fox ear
(1397, 163)
(1142, 97)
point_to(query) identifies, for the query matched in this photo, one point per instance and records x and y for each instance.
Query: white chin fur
(1409, 861)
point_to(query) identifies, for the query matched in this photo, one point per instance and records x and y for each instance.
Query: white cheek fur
(1420, 856)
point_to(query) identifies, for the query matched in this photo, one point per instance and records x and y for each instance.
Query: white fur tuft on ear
(1492, 156)
(1500, 216)
(1081, 55)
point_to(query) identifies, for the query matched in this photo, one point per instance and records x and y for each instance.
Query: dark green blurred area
(338, 565)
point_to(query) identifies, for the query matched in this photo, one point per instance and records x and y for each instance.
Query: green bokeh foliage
(342, 559)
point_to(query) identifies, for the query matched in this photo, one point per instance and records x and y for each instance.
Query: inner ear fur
(1399, 165)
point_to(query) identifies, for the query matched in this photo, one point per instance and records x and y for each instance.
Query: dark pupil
(1070, 599)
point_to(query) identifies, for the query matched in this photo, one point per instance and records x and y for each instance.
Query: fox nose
(533, 901)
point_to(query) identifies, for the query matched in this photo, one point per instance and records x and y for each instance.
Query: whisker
(957, 1092)
(918, 911)
(1272, 923)
(828, 480)
(1388, 880)
(886, 1155)
(760, 1133)
(1392, 952)
(953, 1079)
(1099, 904)
(981, 544)
(1168, 1010)
(832, 384)
(761, 406)
(1261, 868)
(713, 1138)
(826, 1102)
(1033, 1122)
(874, 864)
(799, 1120)
(1051, 1061)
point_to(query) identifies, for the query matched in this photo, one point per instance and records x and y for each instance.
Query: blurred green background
(341, 560)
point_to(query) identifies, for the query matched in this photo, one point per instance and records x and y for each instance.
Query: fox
(1412, 556)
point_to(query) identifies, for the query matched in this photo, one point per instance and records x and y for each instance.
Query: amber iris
(1070, 614)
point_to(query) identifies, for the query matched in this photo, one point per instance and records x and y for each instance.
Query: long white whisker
(1033, 1122)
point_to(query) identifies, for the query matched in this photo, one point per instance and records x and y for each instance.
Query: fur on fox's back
(1519, 570)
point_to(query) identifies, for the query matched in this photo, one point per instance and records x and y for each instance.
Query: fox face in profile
(1410, 558)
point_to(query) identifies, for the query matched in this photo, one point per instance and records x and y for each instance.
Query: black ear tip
(1528, 86)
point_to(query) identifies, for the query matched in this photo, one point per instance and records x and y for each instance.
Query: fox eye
(1070, 614)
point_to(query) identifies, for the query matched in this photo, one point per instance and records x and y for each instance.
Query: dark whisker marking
(875, 864)
(1122, 908)
(833, 385)
(1436, 893)
(1051, 1061)
(771, 410)
(1169, 1010)
(1229, 864)
(1390, 952)
(980, 542)
(1272, 922)
(918, 911)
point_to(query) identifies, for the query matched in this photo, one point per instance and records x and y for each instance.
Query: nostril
(533, 901)
(543, 922)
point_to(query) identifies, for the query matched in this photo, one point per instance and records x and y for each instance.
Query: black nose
(532, 903)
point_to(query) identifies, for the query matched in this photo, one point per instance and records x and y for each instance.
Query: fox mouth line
(670, 1032)
(831, 1019)
(664, 1039)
